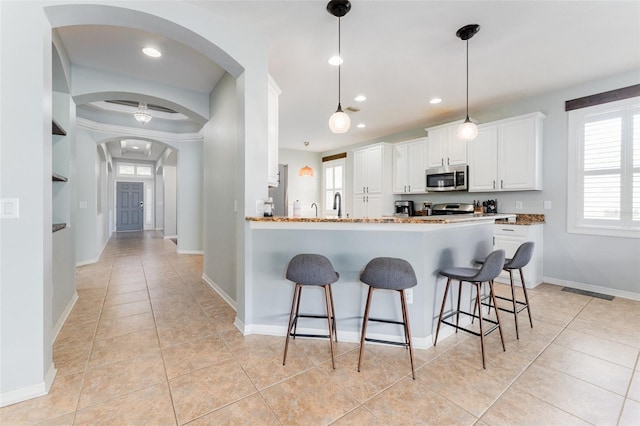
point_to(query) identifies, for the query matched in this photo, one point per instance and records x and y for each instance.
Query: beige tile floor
(148, 342)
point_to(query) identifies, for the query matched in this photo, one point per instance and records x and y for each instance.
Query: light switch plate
(518, 205)
(10, 208)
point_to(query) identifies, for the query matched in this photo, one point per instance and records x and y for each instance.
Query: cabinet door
(374, 205)
(483, 160)
(400, 168)
(359, 171)
(359, 206)
(517, 155)
(374, 169)
(435, 147)
(416, 181)
(456, 149)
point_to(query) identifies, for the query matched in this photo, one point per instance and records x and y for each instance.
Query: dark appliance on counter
(447, 178)
(452, 208)
(403, 208)
(490, 206)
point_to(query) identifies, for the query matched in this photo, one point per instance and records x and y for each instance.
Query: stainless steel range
(452, 208)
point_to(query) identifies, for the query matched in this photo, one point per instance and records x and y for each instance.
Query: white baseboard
(64, 316)
(594, 288)
(29, 392)
(220, 292)
(167, 237)
(190, 252)
(87, 262)
(239, 325)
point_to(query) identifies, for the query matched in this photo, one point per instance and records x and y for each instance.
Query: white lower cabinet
(509, 237)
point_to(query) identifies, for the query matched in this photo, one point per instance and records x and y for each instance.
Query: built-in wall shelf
(58, 226)
(56, 129)
(58, 178)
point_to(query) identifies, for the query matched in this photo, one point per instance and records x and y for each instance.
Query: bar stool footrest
(475, 333)
(294, 323)
(389, 342)
(522, 307)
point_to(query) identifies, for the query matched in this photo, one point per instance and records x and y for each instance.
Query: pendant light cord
(467, 79)
(339, 64)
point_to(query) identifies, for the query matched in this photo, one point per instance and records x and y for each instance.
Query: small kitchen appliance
(452, 208)
(403, 208)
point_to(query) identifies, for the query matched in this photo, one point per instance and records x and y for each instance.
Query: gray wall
(220, 156)
(170, 208)
(189, 197)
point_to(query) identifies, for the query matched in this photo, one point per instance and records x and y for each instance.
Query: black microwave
(447, 178)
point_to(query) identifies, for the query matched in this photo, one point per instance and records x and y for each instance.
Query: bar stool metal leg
(333, 310)
(526, 297)
(407, 330)
(513, 300)
(444, 302)
(329, 321)
(478, 302)
(296, 296)
(364, 326)
(493, 297)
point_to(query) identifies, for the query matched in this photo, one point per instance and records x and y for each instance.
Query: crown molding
(131, 132)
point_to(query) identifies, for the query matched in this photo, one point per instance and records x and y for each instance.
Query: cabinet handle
(367, 198)
(501, 184)
(409, 188)
(494, 184)
(364, 189)
(494, 241)
(363, 198)
(442, 161)
(508, 230)
(405, 188)
(448, 163)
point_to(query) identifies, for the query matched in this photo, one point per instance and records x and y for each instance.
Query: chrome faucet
(316, 206)
(337, 203)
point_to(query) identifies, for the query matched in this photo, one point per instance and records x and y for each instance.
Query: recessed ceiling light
(361, 126)
(435, 101)
(360, 98)
(151, 51)
(135, 147)
(335, 60)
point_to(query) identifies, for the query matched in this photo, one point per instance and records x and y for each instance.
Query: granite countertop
(525, 219)
(507, 217)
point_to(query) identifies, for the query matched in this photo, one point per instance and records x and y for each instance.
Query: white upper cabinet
(507, 155)
(444, 147)
(372, 195)
(409, 164)
(272, 132)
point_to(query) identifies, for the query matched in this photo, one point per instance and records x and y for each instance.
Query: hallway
(149, 342)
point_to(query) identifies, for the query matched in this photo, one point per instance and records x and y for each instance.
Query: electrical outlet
(547, 205)
(518, 205)
(408, 295)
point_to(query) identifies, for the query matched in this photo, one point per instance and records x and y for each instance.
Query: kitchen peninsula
(427, 243)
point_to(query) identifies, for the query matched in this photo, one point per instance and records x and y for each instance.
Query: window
(333, 173)
(604, 169)
(142, 170)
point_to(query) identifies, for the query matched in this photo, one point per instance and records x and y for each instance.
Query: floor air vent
(588, 293)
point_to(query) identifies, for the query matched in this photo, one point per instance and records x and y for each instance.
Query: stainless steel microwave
(447, 178)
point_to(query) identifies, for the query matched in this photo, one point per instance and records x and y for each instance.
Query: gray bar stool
(311, 270)
(520, 259)
(388, 273)
(487, 273)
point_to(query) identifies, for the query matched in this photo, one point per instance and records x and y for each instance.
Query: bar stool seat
(490, 269)
(311, 270)
(520, 259)
(388, 273)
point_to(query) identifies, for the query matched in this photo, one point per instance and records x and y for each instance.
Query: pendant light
(142, 114)
(339, 122)
(306, 170)
(468, 130)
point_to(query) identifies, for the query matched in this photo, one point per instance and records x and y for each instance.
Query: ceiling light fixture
(468, 130)
(306, 170)
(361, 126)
(339, 122)
(435, 101)
(152, 52)
(142, 114)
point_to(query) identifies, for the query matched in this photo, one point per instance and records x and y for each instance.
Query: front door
(129, 207)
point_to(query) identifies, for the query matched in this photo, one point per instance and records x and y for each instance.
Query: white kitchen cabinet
(443, 146)
(509, 237)
(507, 155)
(408, 166)
(272, 132)
(372, 195)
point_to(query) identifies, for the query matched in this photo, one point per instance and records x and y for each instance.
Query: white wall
(170, 205)
(220, 157)
(306, 189)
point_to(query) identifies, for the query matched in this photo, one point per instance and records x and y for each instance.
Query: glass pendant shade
(467, 131)
(339, 122)
(306, 171)
(142, 114)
